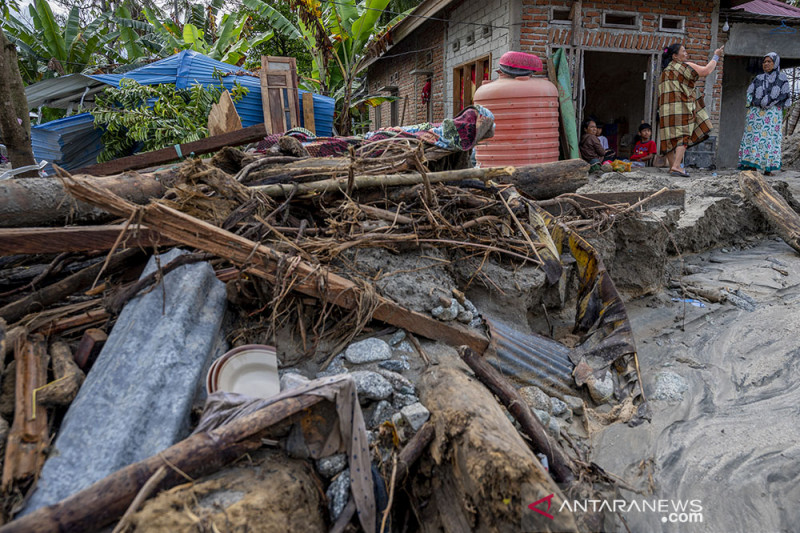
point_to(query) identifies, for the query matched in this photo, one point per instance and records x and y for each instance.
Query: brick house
(614, 47)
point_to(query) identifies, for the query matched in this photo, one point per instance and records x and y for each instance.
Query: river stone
(601, 389)
(371, 385)
(398, 337)
(447, 313)
(400, 399)
(536, 398)
(331, 465)
(293, 380)
(335, 368)
(394, 365)
(137, 398)
(669, 386)
(543, 416)
(338, 493)
(415, 415)
(559, 408)
(574, 403)
(398, 381)
(368, 351)
(383, 412)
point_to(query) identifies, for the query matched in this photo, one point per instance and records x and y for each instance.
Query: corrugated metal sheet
(54, 89)
(189, 68)
(769, 7)
(530, 359)
(71, 142)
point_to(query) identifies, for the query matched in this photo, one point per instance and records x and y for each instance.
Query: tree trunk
(15, 124)
(542, 181)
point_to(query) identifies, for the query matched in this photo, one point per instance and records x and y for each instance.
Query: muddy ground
(721, 380)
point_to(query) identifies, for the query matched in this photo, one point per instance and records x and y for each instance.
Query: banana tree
(46, 49)
(338, 36)
(227, 41)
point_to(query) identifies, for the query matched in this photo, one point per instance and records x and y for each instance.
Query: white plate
(253, 373)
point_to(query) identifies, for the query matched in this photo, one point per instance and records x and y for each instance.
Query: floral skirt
(761, 142)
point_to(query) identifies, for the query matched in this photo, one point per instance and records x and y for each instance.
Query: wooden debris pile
(278, 228)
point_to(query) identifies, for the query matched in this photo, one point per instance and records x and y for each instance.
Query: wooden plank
(28, 440)
(91, 343)
(76, 239)
(167, 155)
(308, 113)
(223, 117)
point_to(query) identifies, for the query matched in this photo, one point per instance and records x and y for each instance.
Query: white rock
(415, 415)
(368, 351)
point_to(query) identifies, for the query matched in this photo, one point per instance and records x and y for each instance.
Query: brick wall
(465, 27)
(424, 50)
(538, 35)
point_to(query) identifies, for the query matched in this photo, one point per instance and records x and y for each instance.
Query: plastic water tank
(525, 111)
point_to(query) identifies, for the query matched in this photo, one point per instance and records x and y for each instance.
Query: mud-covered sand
(725, 430)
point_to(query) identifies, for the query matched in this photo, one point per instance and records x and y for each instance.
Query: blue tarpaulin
(189, 68)
(71, 142)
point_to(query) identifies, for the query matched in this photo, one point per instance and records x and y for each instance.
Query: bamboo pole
(385, 180)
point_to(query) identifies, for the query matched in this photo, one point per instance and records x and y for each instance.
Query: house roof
(769, 8)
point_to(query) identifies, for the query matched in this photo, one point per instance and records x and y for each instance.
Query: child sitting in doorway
(645, 149)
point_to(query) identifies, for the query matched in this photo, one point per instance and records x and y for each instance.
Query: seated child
(590, 146)
(644, 150)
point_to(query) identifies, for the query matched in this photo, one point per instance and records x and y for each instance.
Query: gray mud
(725, 430)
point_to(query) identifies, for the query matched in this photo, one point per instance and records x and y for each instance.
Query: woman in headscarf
(769, 93)
(683, 120)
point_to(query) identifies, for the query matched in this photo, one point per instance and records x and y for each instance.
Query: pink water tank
(525, 111)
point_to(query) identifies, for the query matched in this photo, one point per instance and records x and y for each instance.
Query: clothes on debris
(349, 435)
(683, 119)
(457, 134)
(767, 96)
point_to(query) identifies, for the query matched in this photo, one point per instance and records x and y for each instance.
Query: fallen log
(784, 220)
(51, 294)
(105, 501)
(67, 377)
(548, 180)
(560, 465)
(77, 239)
(33, 202)
(175, 153)
(29, 436)
(262, 261)
(385, 180)
(477, 451)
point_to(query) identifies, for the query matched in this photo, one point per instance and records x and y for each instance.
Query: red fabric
(521, 60)
(426, 92)
(643, 149)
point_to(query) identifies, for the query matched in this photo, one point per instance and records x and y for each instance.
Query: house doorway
(618, 94)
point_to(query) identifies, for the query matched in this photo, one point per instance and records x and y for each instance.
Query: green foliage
(154, 116)
(46, 49)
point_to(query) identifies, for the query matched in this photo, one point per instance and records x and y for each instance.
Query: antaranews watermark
(549, 512)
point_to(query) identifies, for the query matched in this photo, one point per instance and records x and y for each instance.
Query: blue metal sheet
(188, 68)
(71, 142)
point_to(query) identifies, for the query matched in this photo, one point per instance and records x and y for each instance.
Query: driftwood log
(480, 466)
(68, 378)
(51, 294)
(548, 180)
(34, 202)
(560, 465)
(29, 436)
(775, 209)
(105, 501)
